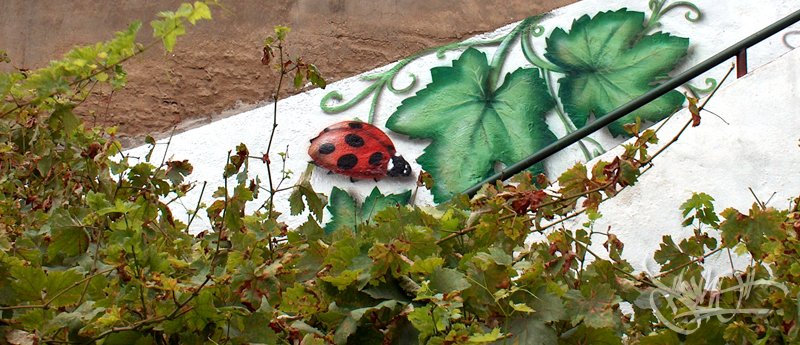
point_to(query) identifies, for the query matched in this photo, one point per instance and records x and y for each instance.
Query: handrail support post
(741, 63)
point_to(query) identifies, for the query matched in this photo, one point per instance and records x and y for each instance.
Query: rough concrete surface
(215, 69)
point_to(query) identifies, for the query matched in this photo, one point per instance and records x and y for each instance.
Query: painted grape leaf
(610, 61)
(472, 125)
(347, 213)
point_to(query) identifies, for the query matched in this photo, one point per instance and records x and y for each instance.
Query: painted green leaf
(472, 125)
(347, 213)
(609, 61)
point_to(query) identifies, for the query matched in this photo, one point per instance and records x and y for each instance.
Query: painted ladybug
(357, 149)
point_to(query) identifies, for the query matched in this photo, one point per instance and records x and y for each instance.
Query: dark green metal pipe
(627, 108)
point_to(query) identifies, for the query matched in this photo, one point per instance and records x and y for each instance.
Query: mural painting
(477, 118)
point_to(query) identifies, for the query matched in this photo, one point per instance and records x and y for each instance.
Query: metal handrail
(636, 103)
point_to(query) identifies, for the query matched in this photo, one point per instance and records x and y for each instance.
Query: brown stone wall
(215, 69)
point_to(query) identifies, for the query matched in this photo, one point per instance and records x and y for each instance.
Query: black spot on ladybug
(354, 140)
(326, 130)
(375, 158)
(347, 162)
(355, 125)
(326, 148)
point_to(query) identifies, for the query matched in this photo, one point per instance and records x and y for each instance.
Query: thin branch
(197, 208)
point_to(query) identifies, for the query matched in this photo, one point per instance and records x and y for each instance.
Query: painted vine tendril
(658, 9)
(386, 79)
(529, 28)
(693, 14)
(536, 30)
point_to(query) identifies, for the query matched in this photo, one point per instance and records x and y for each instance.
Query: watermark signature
(689, 303)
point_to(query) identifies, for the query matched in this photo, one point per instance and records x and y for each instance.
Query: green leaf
(299, 300)
(663, 338)
(68, 241)
(343, 210)
(377, 202)
(168, 30)
(61, 288)
(427, 265)
(424, 323)
(530, 331)
(447, 280)
(609, 61)
(348, 214)
(303, 189)
(594, 305)
(739, 332)
(177, 170)
(473, 127)
(521, 307)
(595, 336)
(281, 32)
(754, 230)
(315, 78)
(494, 335)
(344, 279)
(65, 116)
(83, 314)
(201, 11)
(710, 332)
(703, 206)
(350, 323)
(29, 282)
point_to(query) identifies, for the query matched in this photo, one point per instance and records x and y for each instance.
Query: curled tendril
(440, 53)
(711, 84)
(331, 102)
(537, 30)
(693, 13)
(655, 5)
(411, 84)
(379, 81)
(530, 53)
(785, 38)
(658, 9)
(336, 96)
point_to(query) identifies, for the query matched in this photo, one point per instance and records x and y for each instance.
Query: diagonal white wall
(758, 149)
(300, 117)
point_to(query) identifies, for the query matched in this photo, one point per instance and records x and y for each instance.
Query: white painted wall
(300, 118)
(758, 150)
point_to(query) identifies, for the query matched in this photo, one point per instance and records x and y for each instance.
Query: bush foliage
(90, 250)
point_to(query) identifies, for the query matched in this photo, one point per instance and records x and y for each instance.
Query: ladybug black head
(399, 167)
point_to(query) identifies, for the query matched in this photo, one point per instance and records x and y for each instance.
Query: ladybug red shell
(359, 150)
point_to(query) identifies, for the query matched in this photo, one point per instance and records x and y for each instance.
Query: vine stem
(272, 131)
(614, 267)
(568, 126)
(548, 67)
(502, 52)
(675, 269)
